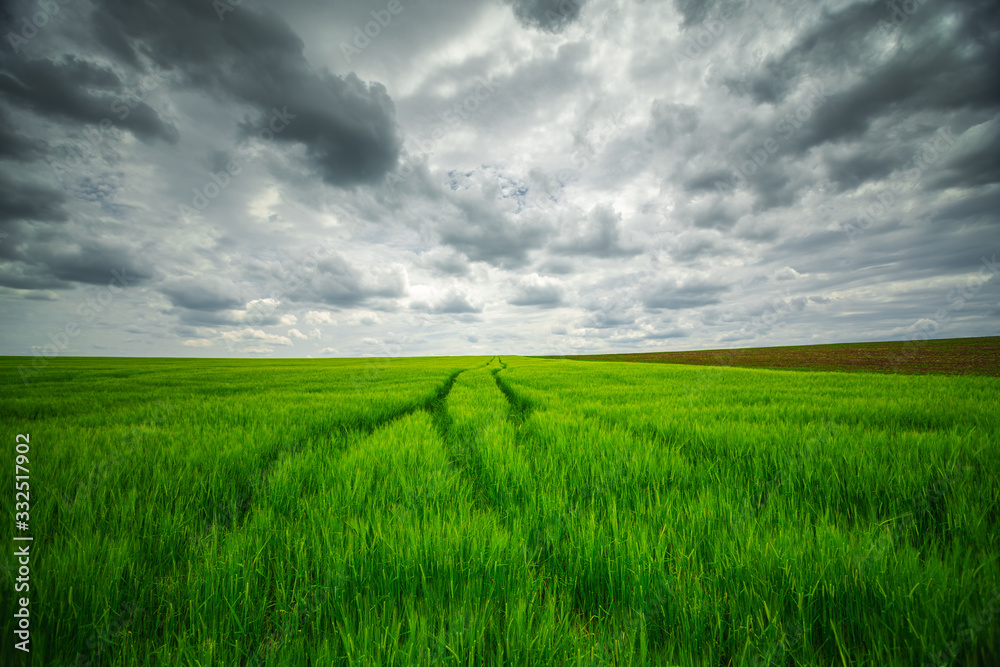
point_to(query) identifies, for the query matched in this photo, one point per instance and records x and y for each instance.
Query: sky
(297, 178)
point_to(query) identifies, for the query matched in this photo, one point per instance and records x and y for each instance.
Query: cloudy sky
(404, 177)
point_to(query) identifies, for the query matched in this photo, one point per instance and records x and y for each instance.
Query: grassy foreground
(504, 511)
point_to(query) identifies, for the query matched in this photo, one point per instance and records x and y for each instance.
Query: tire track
(520, 409)
(469, 431)
(233, 517)
(437, 407)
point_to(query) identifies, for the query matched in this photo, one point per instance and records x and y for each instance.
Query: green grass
(504, 511)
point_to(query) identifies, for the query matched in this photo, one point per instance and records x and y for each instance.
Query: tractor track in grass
(520, 409)
(437, 407)
(465, 448)
(228, 520)
(464, 452)
(545, 540)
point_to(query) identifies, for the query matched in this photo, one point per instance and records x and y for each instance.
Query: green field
(483, 510)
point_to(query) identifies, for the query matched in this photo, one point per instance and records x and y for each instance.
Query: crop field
(503, 510)
(954, 356)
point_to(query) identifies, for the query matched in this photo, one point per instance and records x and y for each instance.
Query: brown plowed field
(979, 356)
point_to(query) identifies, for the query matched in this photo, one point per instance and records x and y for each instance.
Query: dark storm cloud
(222, 318)
(78, 90)
(537, 293)
(667, 334)
(781, 185)
(207, 293)
(598, 235)
(691, 247)
(446, 262)
(591, 199)
(21, 200)
(484, 233)
(984, 205)
(886, 254)
(980, 165)
(713, 216)
(945, 62)
(840, 36)
(41, 296)
(865, 164)
(605, 312)
(15, 146)
(556, 266)
(21, 276)
(707, 180)
(696, 12)
(533, 90)
(91, 261)
(452, 303)
(670, 121)
(671, 295)
(39, 259)
(337, 282)
(547, 15)
(347, 126)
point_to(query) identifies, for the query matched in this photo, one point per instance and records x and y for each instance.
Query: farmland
(504, 510)
(953, 356)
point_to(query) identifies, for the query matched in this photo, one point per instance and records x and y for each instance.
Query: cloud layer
(285, 178)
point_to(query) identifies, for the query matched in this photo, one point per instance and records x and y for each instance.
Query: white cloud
(363, 318)
(315, 317)
(251, 334)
